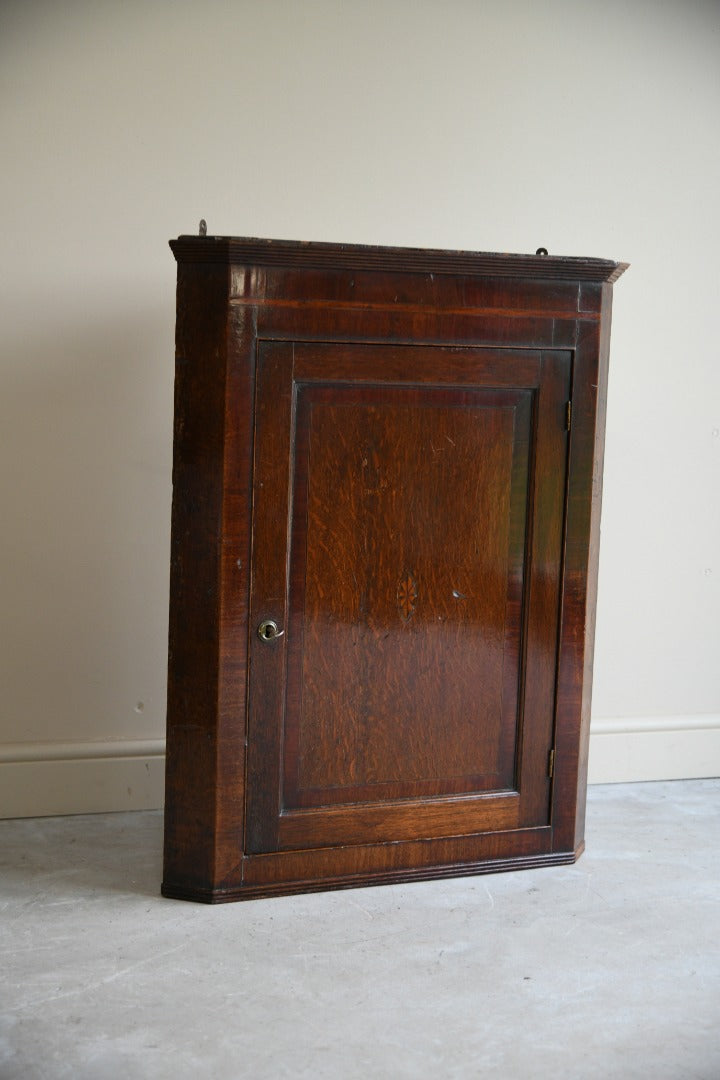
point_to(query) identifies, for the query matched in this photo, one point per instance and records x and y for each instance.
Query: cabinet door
(407, 542)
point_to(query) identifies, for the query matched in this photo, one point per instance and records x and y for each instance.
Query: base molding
(634, 748)
(52, 779)
(49, 779)
(355, 881)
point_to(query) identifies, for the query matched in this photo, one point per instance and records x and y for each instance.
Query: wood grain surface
(372, 450)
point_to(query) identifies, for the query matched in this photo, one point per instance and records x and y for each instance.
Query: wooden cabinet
(387, 478)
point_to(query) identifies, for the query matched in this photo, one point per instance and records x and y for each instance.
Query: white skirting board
(47, 779)
(654, 748)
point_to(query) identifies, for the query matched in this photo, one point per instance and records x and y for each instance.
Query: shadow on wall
(86, 415)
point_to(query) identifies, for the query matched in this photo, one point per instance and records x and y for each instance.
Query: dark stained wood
(395, 575)
(371, 449)
(194, 639)
(407, 550)
(252, 251)
(575, 661)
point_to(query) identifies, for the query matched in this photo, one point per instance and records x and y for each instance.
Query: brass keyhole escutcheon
(268, 630)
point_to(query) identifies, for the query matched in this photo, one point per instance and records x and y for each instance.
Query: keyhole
(268, 630)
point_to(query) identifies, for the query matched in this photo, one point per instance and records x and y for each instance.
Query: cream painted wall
(591, 129)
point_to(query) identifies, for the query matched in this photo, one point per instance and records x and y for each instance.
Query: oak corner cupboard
(386, 502)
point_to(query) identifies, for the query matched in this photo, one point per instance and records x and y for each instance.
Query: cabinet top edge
(308, 255)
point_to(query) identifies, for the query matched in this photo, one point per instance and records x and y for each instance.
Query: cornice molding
(251, 251)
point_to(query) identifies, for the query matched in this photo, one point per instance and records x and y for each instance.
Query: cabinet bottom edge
(231, 894)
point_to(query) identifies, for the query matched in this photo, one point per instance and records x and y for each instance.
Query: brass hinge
(551, 763)
(568, 415)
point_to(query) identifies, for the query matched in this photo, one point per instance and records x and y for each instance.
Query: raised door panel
(407, 536)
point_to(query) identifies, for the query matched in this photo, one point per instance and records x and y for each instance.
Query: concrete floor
(610, 968)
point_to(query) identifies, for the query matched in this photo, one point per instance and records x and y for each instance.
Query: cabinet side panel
(587, 446)
(593, 561)
(190, 797)
(234, 591)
